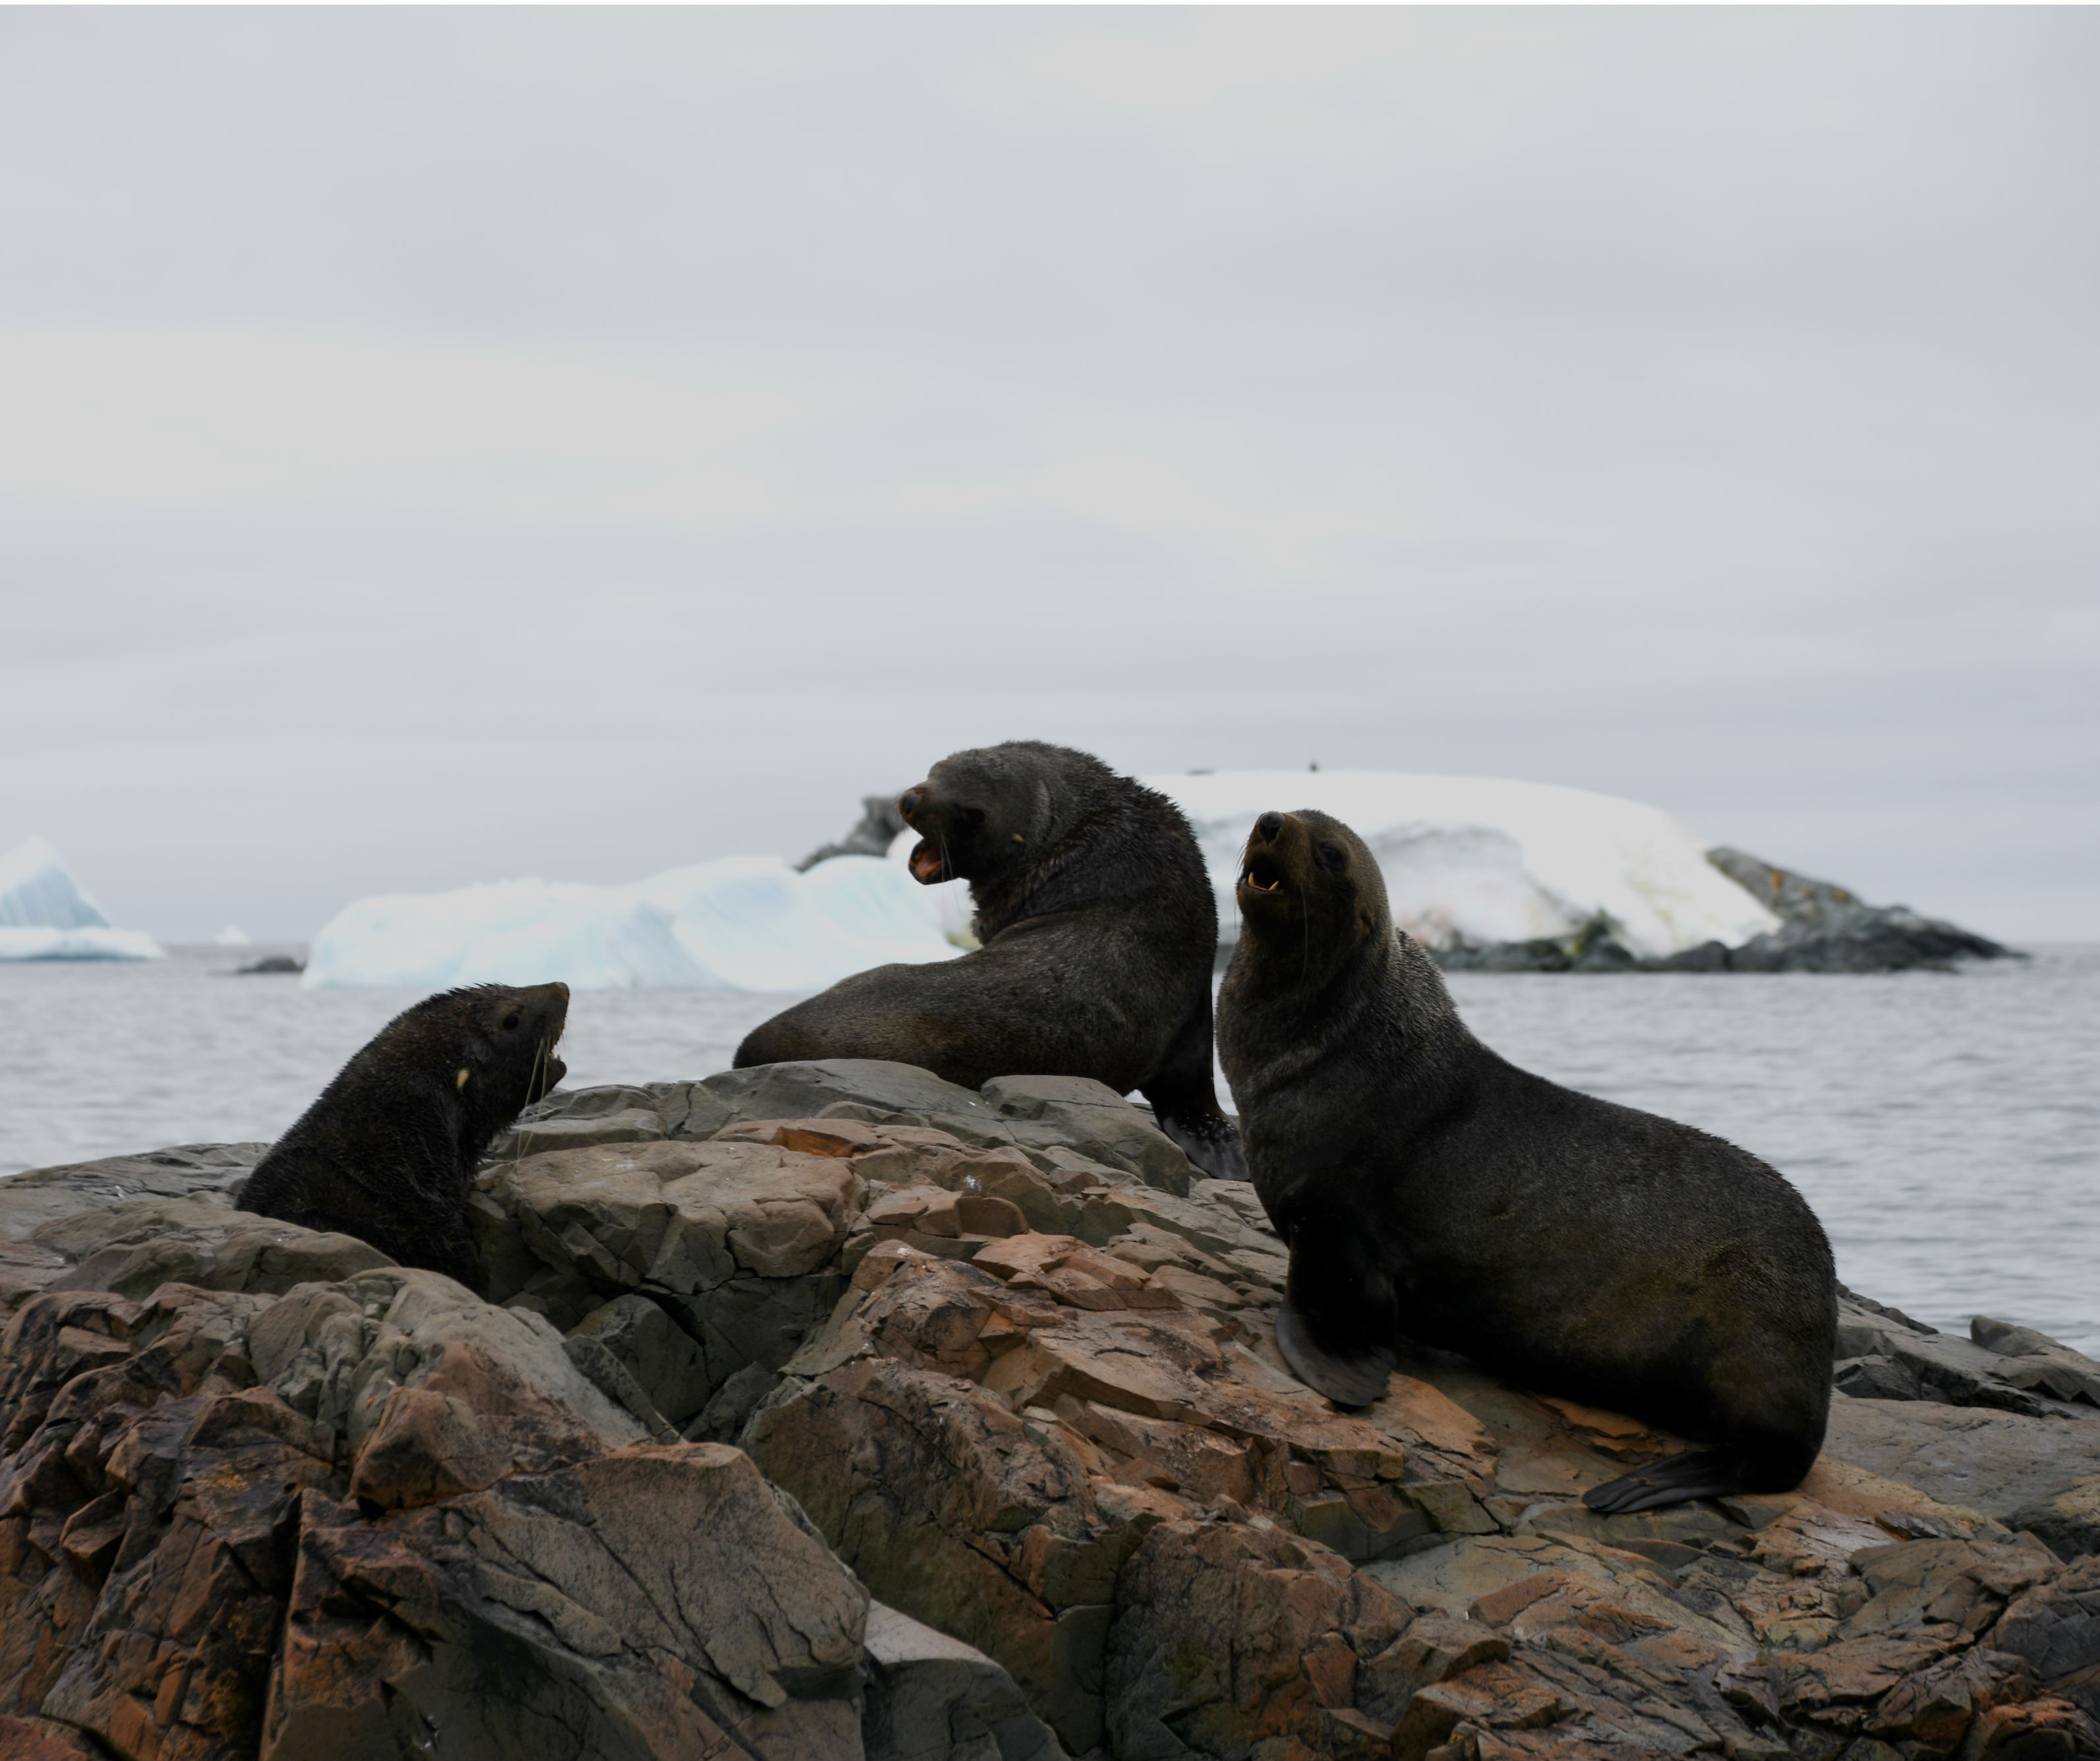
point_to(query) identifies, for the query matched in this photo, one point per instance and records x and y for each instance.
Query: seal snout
(928, 859)
(1265, 868)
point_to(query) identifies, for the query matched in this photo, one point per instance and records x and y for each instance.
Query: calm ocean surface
(1946, 1128)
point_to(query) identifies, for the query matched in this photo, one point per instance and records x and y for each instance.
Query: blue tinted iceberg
(743, 922)
(44, 915)
(1477, 861)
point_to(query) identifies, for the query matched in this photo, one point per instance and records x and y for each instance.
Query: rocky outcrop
(877, 828)
(830, 1410)
(1827, 927)
(1824, 928)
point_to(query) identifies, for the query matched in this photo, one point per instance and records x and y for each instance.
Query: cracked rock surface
(830, 1411)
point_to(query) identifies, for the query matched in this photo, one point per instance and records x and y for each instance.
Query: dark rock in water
(1824, 928)
(270, 963)
(879, 823)
(1591, 948)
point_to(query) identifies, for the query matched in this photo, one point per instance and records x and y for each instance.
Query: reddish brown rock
(657, 1601)
(1228, 1636)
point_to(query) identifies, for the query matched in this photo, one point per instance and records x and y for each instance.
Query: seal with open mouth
(388, 1152)
(1431, 1190)
(1100, 933)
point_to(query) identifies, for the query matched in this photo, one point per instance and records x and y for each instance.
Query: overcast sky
(445, 446)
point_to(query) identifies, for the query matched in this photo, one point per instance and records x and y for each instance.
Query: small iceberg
(231, 936)
(44, 915)
(1475, 861)
(742, 923)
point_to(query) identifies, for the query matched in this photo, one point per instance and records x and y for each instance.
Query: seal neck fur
(1279, 1025)
(1322, 980)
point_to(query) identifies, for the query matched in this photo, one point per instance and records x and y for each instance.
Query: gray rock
(135, 1248)
(1076, 1114)
(880, 824)
(2069, 1521)
(2034, 1360)
(662, 1109)
(736, 1244)
(612, 1379)
(662, 1358)
(2000, 1463)
(1883, 1354)
(657, 1602)
(888, 1090)
(1827, 927)
(37, 1195)
(2055, 1627)
(340, 1354)
(933, 1698)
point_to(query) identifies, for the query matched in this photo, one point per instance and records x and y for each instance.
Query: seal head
(388, 1151)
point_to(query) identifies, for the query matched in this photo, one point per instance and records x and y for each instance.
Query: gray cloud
(442, 445)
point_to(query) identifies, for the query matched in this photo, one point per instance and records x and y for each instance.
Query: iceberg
(44, 915)
(1474, 861)
(741, 923)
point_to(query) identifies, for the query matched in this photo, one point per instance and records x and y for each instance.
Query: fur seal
(1100, 933)
(388, 1152)
(1427, 1188)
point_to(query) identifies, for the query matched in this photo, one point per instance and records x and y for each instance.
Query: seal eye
(510, 1021)
(1331, 856)
(973, 816)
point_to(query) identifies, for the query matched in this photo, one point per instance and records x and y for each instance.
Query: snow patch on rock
(1480, 860)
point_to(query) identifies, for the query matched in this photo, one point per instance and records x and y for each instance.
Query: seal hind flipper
(1210, 1143)
(1354, 1381)
(1676, 1480)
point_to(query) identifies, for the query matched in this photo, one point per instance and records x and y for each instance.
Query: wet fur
(1100, 934)
(388, 1152)
(1431, 1189)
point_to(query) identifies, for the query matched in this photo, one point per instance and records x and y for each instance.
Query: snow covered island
(1473, 861)
(44, 915)
(1505, 877)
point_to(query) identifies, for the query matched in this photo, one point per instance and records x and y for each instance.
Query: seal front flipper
(1353, 1381)
(1185, 1099)
(1693, 1474)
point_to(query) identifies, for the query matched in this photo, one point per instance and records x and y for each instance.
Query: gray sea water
(1945, 1127)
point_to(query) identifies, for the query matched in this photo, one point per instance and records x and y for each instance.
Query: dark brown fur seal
(1100, 933)
(1429, 1189)
(388, 1152)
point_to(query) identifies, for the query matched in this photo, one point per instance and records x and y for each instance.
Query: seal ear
(1038, 819)
(460, 1081)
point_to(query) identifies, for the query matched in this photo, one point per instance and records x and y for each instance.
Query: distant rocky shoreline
(831, 1409)
(1824, 927)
